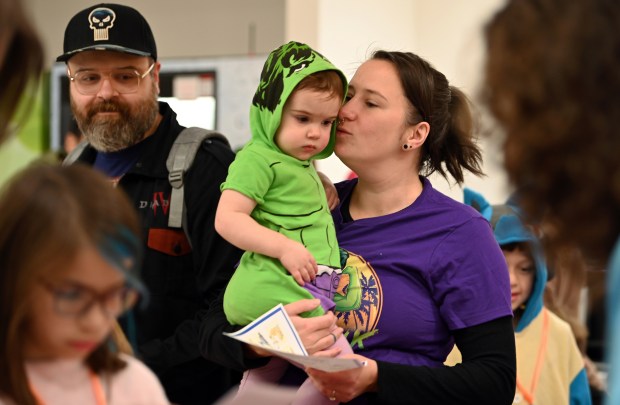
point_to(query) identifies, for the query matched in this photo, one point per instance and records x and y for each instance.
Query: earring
(405, 147)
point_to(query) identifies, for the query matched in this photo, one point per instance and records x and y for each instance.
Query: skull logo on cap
(101, 20)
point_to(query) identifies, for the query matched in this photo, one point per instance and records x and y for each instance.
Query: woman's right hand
(316, 333)
(345, 385)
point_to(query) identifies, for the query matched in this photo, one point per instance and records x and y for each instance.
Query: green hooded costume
(289, 196)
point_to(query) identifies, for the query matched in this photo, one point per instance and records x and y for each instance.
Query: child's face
(306, 123)
(522, 272)
(67, 317)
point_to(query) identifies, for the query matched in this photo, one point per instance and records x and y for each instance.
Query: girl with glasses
(69, 250)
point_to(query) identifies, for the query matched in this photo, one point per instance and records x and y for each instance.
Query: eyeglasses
(124, 81)
(74, 300)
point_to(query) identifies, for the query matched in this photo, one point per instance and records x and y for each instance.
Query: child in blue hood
(273, 204)
(550, 367)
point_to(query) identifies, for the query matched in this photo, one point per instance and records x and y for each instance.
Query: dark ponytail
(459, 149)
(451, 141)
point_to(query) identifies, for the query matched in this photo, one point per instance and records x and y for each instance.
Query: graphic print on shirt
(358, 298)
(160, 201)
(158, 205)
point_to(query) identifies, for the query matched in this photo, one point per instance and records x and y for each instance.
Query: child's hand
(298, 261)
(330, 191)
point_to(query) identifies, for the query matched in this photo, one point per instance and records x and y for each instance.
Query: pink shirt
(68, 382)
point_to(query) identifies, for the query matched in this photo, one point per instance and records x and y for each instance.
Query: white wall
(182, 28)
(449, 35)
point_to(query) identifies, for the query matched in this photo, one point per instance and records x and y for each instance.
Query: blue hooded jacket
(508, 228)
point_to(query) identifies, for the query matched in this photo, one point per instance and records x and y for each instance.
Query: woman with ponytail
(420, 271)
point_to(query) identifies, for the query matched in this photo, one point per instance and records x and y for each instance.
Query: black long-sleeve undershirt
(486, 376)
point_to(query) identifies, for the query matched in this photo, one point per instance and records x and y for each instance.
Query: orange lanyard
(95, 383)
(529, 395)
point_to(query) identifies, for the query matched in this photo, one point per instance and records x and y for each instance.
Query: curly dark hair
(552, 82)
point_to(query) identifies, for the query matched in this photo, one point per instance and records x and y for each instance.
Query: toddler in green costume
(273, 204)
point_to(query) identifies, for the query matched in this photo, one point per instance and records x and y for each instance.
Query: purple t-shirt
(413, 276)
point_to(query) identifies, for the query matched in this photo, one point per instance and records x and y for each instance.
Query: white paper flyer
(274, 332)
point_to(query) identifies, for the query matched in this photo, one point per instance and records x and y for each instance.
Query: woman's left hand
(343, 386)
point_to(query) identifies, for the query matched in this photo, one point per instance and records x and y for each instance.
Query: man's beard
(111, 134)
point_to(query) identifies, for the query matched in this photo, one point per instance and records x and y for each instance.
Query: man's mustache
(106, 106)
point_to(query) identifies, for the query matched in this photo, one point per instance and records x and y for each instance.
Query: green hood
(283, 70)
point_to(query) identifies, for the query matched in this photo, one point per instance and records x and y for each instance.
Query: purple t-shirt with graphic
(413, 276)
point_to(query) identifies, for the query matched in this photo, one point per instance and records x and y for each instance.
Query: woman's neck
(384, 196)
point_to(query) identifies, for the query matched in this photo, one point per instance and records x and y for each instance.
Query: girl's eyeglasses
(74, 300)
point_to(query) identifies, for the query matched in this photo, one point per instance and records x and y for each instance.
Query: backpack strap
(179, 161)
(75, 153)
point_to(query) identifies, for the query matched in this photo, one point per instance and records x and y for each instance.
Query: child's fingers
(315, 268)
(299, 278)
(306, 274)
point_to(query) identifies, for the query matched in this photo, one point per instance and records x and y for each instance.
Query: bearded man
(112, 65)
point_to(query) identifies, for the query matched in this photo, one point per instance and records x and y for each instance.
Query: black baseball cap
(108, 27)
